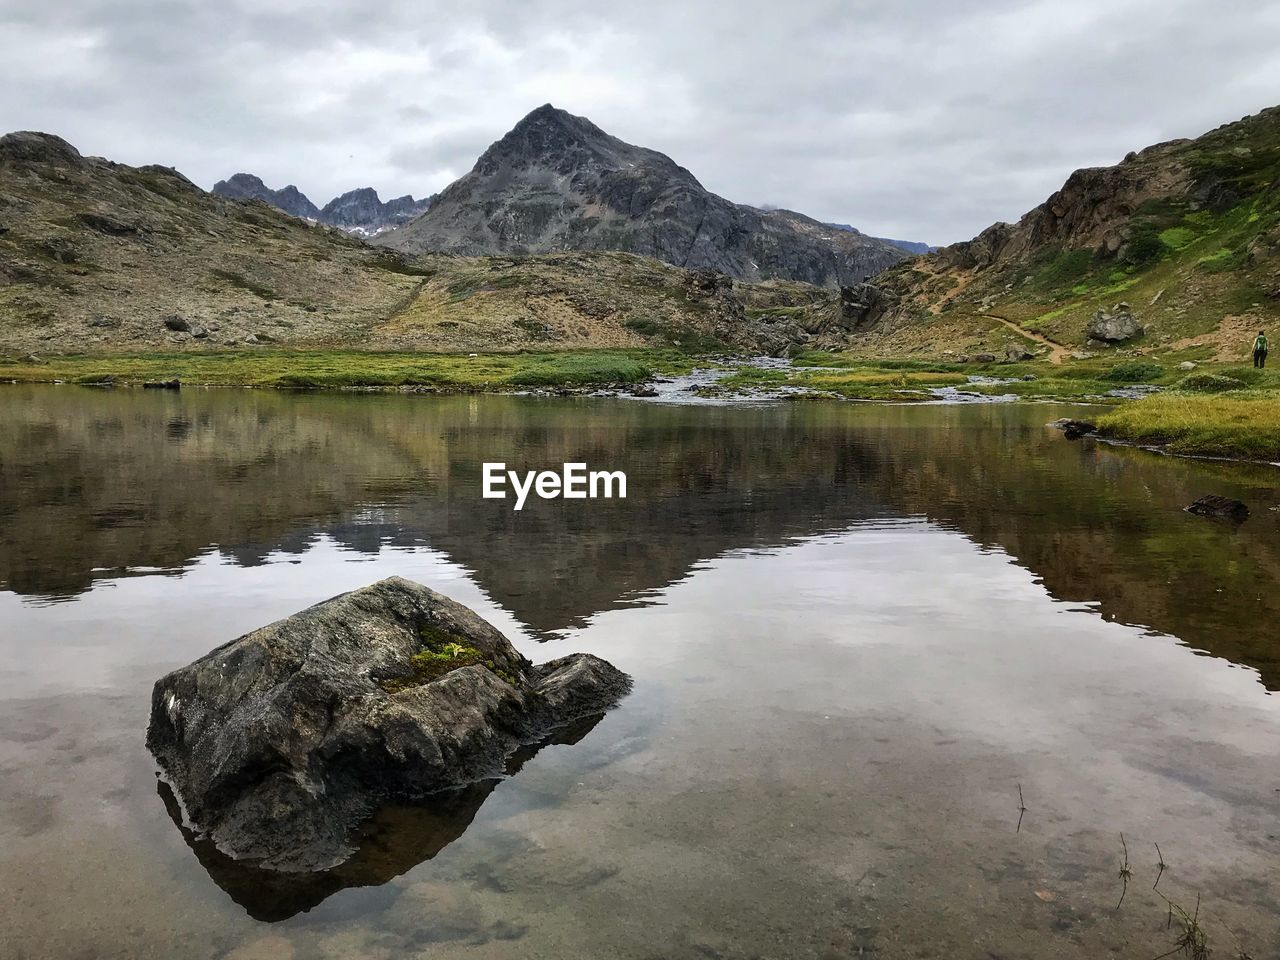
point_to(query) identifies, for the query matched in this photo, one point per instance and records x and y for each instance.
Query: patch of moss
(1176, 238)
(442, 652)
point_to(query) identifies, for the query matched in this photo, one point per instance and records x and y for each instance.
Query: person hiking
(1260, 350)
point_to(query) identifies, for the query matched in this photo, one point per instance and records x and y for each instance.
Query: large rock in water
(279, 743)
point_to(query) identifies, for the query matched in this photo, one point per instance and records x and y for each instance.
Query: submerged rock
(1075, 429)
(279, 744)
(1220, 508)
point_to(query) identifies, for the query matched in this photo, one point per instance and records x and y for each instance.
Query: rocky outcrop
(280, 743)
(29, 146)
(559, 182)
(1115, 325)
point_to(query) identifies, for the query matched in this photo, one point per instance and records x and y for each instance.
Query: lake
(904, 676)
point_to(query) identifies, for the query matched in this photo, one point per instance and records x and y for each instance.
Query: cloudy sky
(925, 121)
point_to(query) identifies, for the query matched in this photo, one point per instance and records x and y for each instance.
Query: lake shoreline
(1162, 413)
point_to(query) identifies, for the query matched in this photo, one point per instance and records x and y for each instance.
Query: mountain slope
(1186, 233)
(559, 182)
(97, 256)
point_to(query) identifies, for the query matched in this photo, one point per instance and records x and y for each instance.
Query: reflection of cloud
(925, 123)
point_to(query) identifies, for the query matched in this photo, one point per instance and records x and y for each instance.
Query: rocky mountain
(360, 212)
(1182, 239)
(98, 256)
(558, 182)
(245, 186)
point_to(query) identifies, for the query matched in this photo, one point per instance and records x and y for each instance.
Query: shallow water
(856, 632)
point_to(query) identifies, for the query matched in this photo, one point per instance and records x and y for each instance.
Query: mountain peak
(551, 135)
(549, 113)
(556, 182)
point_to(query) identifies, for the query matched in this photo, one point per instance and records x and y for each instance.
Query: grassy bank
(1243, 425)
(894, 379)
(293, 369)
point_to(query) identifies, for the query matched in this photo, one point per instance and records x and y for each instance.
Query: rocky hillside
(558, 182)
(360, 212)
(98, 256)
(1176, 249)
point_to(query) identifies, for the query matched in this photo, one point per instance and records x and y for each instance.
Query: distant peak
(360, 193)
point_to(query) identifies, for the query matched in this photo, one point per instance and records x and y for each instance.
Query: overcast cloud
(925, 121)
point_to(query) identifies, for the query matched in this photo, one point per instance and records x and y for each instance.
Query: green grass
(871, 381)
(1136, 371)
(1244, 424)
(324, 369)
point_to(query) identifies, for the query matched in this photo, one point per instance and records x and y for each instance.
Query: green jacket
(1260, 345)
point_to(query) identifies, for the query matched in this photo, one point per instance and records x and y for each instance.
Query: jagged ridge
(359, 211)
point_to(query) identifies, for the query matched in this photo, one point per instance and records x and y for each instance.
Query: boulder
(177, 324)
(1015, 352)
(984, 358)
(174, 384)
(1220, 508)
(1186, 366)
(279, 744)
(1114, 325)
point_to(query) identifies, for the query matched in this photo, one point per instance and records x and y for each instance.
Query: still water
(863, 639)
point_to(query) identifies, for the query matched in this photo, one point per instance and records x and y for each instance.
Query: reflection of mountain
(104, 481)
(395, 841)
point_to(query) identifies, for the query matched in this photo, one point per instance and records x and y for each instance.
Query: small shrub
(1135, 371)
(1210, 383)
(1144, 247)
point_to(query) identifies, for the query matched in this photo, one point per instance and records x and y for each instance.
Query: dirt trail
(1057, 352)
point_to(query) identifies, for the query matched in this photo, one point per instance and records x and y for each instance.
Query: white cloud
(926, 121)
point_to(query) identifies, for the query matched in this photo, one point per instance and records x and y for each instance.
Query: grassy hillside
(98, 257)
(1187, 233)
